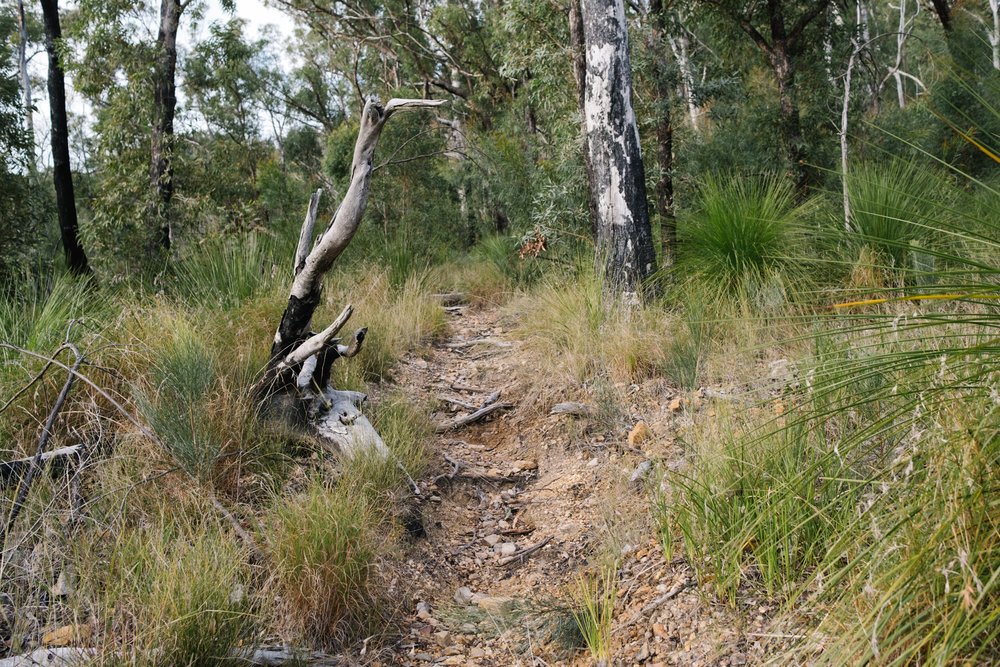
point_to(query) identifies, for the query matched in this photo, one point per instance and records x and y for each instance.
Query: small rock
(593, 463)
(505, 548)
(660, 631)
(639, 434)
(492, 539)
(67, 635)
(476, 652)
(677, 404)
(423, 611)
(643, 653)
(640, 472)
(463, 596)
(62, 586)
(737, 659)
(525, 465)
(442, 637)
(423, 657)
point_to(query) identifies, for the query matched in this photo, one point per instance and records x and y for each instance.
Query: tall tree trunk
(624, 239)
(580, 76)
(679, 46)
(791, 126)
(164, 107)
(62, 177)
(664, 138)
(22, 64)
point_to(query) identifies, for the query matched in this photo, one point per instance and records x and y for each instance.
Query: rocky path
(519, 504)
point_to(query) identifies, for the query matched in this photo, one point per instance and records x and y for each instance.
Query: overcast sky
(255, 12)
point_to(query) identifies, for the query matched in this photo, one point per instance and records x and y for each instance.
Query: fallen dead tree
(296, 387)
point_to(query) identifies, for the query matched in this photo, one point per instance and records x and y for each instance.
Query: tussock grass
(584, 333)
(593, 598)
(325, 543)
(171, 593)
(227, 272)
(896, 210)
(747, 238)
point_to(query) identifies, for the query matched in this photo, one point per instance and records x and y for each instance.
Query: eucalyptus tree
(618, 183)
(779, 29)
(62, 176)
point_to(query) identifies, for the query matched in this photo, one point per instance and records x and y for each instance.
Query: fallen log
(12, 470)
(481, 413)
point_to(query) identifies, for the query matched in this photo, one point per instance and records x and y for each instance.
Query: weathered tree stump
(296, 386)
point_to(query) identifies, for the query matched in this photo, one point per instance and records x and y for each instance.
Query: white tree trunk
(624, 238)
(679, 45)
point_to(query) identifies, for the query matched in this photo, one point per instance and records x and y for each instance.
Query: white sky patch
(261, 21)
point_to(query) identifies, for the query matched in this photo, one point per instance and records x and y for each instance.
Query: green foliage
(594, 606)
(896, 208)
(177, 405)
(746, 238)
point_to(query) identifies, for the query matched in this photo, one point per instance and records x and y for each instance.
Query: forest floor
(517, 507)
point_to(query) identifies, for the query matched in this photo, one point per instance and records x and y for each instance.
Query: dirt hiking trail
(517, 506)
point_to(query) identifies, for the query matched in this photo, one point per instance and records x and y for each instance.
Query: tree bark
(664, 138)
(164, 108)
(791, 126)
(580, 77)
(624, 239)
(295, 387)
(62, 177)
(22, 64)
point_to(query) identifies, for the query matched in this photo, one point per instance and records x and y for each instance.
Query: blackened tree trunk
(664, 137)
(580, 76)
(164, 108)
(62, 177)
(791, 126)
(618, 186)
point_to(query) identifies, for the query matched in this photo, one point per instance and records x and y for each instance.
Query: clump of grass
(405, 429)
(227, 272)
(39, 314)
(762, 513)
(324, 544)
(398, 320)
(895, 208)
(594, 598)
(687, 349)
(747, 237)
(586, 333)
(175, 595)
(177, 405)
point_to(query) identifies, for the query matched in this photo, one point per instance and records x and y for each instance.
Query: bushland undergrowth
(861, 498)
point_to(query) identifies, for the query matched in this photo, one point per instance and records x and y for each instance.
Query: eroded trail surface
(518, 505)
